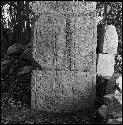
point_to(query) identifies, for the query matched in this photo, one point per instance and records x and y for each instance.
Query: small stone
(103, 111)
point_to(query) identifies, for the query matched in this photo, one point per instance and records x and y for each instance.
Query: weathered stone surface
(61, 90)
(110, 40)
(65, 43)
(105, 66)
(107, 39)
(60, 7)
(15, 49)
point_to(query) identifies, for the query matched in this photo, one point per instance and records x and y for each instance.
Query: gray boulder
(25, 69)
(15, 49)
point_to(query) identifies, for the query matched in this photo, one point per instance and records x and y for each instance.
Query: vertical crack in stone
(68, 42)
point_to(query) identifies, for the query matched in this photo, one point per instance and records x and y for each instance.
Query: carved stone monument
(64, 44)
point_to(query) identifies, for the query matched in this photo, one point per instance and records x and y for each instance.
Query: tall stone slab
(64, 43)
(110, 40)
(107, 39)
(107, 47)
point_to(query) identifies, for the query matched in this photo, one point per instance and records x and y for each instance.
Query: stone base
(68, 92)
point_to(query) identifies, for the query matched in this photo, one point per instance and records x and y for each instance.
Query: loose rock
(15, 49)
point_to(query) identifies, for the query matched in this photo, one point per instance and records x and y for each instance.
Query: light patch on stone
(105, 66)
(110, 40)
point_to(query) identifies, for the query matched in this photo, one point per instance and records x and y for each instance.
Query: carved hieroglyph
(64, 42)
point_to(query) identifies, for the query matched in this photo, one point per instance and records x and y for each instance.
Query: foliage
(19, 23)
(118, 65)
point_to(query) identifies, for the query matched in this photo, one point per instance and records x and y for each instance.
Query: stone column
(64, 44)
(106, 58)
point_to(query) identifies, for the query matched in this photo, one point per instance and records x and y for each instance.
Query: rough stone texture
(60, 7)
(110, 40)
(65, 43)
(107, 39)
(105, 66)
(15, 49)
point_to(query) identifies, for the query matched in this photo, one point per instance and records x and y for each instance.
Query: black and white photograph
(61, 62)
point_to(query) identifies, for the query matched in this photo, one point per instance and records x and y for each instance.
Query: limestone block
(62, 91)
(105, 66)
(110, 40)
(65, 42)
(107, 39)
